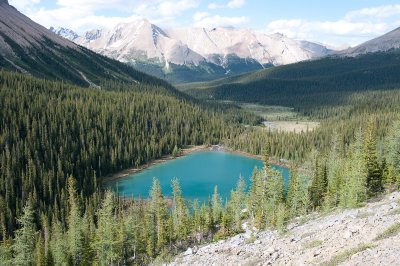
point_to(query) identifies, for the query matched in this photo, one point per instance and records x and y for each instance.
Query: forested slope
(305, 85)
(57, 139)
(50, 130)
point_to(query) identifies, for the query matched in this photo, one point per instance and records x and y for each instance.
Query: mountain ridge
(195, 54)
(30, 48)
(388, 41)
(205, 42)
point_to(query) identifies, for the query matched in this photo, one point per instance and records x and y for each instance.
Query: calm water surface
(198, 173)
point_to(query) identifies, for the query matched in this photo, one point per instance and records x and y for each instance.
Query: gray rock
(275, 256)
(188, 252)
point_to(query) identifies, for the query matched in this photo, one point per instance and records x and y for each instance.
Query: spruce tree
(353, 187)
(59, 247)
(217, 207)
(374, 173)
(74, 233)
(334, 165)
(106, 242)
(24, 241)
(319, 183)
(159, 213)
(180, 212)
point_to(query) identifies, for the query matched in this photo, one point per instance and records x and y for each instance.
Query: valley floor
(363, 236)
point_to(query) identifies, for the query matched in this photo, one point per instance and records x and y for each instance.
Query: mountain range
(194, 54)
(177, 55)
(30, 48)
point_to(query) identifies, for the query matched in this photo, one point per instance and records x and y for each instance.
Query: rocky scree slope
(364, 236)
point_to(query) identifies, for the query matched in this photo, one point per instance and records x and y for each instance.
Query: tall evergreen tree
(217, 207)
(159, 214)
(180, 212)
(334, 165)
(59, 247)
(353, 187)
(298, 198)
(24, 241)
(374, 172)
(106, 243)
(75, 233)
(319, 183)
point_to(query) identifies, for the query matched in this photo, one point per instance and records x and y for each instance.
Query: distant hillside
(386, 42)
(29, 48)
(321, 82)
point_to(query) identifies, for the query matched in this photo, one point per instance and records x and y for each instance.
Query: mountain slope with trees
(29, 48)
(52, 152)
(305, 85)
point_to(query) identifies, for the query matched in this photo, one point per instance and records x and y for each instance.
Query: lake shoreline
(184, 152)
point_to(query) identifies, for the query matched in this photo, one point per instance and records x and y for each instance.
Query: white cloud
(78, 20)
(230, 4)
(354, 28)
(23, 4)
(236, 3)
(81, 15)
(200, 15)
(206, 20)
(92, 4)
(215, 6)
(164, 8)
(379, 12)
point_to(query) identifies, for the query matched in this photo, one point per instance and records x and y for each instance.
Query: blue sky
(334, 23)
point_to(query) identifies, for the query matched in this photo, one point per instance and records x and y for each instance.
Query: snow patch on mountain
(141, 40)
(65, 33)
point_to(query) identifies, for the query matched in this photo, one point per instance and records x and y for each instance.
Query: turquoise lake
(198, 173)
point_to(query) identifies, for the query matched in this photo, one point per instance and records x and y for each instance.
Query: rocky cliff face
(351, 237)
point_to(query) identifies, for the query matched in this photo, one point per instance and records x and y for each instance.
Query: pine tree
(275, 195)
(374, 173)
(159, 212)
(58, 245)
(334, 165)
(216, 206)
(298, 198)
(281, 217)
(75, 234)
(353, 188)
(257, 198)
(106, 243)
(393, 146)
(6, 253)
(40, 254)
(319, 183)
(180, 212)
(175, 151)
(24, 241)
(237, 204)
